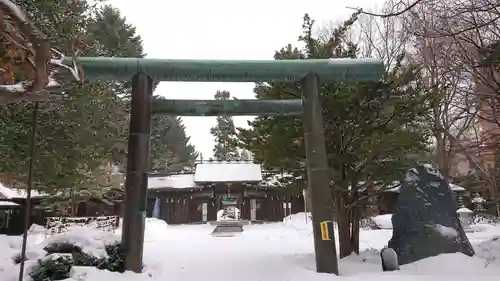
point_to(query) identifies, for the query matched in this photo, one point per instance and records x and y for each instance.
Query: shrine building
(196, 197)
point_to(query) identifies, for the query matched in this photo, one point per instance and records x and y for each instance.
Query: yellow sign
(324, 230)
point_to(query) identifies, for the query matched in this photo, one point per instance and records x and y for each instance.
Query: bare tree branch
(388, 15)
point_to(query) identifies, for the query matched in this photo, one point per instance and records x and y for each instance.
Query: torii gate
(310, 73)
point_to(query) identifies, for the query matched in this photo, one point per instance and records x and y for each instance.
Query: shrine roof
(9, 193)
(230, 171)
(173, 181)
(8, 204)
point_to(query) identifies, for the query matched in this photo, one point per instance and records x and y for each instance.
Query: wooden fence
(55, 225)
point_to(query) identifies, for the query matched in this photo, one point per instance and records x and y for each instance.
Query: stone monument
(425, 220)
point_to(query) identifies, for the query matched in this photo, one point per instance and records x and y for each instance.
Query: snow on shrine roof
(228, 172)
(172, 181)
(8, 204)
(9, 193)
(452, 186)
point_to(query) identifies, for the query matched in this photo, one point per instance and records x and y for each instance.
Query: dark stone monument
(425, 221)
(389, 259)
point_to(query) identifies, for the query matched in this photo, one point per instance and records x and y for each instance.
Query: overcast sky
(222, 29)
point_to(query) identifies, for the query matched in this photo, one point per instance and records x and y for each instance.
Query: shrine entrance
(310, 73)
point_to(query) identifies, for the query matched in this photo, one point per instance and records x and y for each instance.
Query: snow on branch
(23, 43)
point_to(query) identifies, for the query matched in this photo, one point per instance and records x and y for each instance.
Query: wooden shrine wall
(187, 210)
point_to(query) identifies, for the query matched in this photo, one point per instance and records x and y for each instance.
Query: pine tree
(84, 126)
(170, 148)
(371, 129)
(226, 142)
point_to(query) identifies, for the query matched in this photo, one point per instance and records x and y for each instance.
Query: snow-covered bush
(83, 247)
(55, 267)
(67, 255)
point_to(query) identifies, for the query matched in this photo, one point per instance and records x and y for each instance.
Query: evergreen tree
(226, 142)
(371, 130)
(84, 126)
(170, 148)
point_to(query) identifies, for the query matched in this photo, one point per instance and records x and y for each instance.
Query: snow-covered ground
(277, 252)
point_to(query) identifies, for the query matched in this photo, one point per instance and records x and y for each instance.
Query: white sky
(222, 29)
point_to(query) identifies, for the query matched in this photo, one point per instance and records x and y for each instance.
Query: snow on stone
(172, 181)
(412, 178)
(9, 193)
(455, 187)
(412, 175)
(445, 231)
(464, 210)
(228, 172)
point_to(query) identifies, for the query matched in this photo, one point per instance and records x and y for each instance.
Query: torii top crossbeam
(231, 70)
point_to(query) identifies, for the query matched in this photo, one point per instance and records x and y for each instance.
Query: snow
(173, 181)
(277, 251)
(383, 221)
(445, 231)
(8, 203)
(455, 187)
(464, 210)
(90, 240)
(413, 177)
(228, 172)
(489, 250)
(478, 200)
(9, 193)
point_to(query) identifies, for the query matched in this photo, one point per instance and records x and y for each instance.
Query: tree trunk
(343, 222)
(354, 221)
(442, 155)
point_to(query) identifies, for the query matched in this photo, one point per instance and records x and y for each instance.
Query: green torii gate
(310, 73)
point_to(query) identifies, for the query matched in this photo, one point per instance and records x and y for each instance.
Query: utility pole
(317, 177)
(136, 182)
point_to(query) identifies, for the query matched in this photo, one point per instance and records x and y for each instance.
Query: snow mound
(465, 210)
(383, 221)
(489, 250)
(36, 229)
(155, 229)
(300, 221)
(91, 241)
(455, 264)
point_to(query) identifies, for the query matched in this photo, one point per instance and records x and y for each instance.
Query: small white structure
(465, 216)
